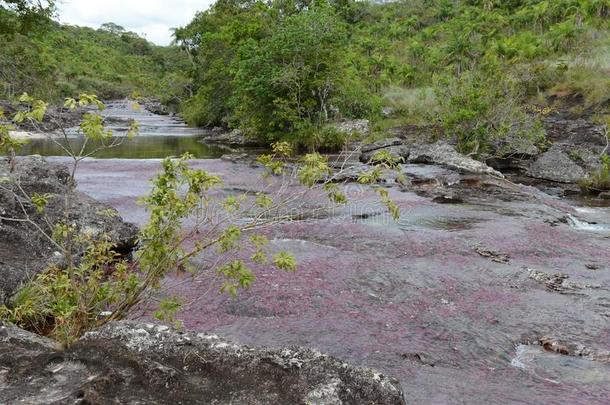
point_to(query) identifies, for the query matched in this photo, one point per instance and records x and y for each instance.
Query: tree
(29, 13)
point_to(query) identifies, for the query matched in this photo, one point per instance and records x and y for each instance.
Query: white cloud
(150, 18)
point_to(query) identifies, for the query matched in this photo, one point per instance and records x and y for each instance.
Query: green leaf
(285, 261)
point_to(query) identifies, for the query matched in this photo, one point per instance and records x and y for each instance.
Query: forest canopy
(288, 70)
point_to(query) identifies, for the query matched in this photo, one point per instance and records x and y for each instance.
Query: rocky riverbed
(455, 300)
(494, 285)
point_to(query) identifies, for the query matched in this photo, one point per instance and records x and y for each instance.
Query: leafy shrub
(479, 108)
(599, 180)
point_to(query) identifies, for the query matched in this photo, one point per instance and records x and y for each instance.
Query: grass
(414, 104)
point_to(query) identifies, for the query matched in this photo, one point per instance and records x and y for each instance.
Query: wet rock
(155, 106)
(514, 154)
(556, 165)
(420, 358)
(558, 282)
(421, 175)
(24, 251)
(353, 171)
(573, 349)
(492, 255)
(348, 173)
(446, 155)
(392, 145)
(381, 144)
(574, 131)
(448, 198)
(605, 195)
(136, 363)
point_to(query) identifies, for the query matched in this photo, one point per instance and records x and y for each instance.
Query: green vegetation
(274, 71)
(599, 180)
(285, 70)
(53, 61)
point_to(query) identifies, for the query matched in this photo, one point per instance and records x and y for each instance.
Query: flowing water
(453, 300)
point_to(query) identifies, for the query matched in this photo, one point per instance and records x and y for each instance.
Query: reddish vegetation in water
(413, 299)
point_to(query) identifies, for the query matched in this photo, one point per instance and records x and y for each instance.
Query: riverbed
(502, 298)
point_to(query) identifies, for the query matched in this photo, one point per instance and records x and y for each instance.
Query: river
(504, 298)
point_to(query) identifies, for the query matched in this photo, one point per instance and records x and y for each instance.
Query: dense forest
(476, 69)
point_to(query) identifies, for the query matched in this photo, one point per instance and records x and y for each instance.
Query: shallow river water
(456, 301)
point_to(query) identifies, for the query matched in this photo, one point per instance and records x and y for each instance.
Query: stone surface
(369, 289)
(556, 165)
(130, 363)
(24, 250)
(446, 155)
(399, 152)
(233, 138)
(155, 106)
(381, 144)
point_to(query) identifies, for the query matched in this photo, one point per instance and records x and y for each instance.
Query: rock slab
(130, 363)
(24, 250)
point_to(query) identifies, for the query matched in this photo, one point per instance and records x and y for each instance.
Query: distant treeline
(285, 69)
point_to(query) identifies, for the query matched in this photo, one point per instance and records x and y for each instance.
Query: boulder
(155, 106)
(24, 250)
(513, 153)
(130, 363)
(399, 152)
(556, 165)
(234, 138)
(444, 154)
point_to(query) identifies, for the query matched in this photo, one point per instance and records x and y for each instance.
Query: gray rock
(381, 144)
(424, 175)
(399, 152)
(234, 138)
(446, 155)
(155, 106)
(131, 363)
(361, 127)
(24, 250)
(556, 165)
(605, 195)
(513, 153)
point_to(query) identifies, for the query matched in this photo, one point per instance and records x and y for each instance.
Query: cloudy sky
(150, 18)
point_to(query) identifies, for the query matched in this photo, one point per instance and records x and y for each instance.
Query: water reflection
(140, 147)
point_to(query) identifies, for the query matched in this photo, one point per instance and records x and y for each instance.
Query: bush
(599, 180)
(479, 109)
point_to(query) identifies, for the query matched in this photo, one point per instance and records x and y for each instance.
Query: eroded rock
(234, 138)
(24, 250)
(556, 165)
(131, 363)
(446, 155)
